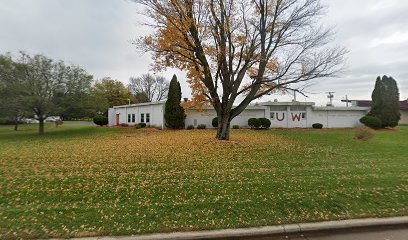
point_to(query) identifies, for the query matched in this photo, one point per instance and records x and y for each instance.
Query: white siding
(197, 117)
(155, 111)
(404, 117)
(338, 119)
(111, 117)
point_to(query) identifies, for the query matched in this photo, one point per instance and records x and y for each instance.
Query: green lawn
(85, 181)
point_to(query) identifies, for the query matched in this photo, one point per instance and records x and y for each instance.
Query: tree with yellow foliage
(236, 51)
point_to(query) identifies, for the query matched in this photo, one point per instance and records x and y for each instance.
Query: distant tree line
(35, 86)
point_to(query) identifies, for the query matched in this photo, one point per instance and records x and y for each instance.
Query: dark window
(278, 108)
(303, 115)
(129, 117)
(148, 117)
(133, 117)
(142, 117)
(297, 108)
(272, 115)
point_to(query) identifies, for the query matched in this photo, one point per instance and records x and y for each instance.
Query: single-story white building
(281, 114)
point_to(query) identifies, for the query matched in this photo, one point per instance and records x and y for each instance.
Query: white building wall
(111, 117)
(156, 112)
(404, 117)
(197, 117)
(284, 116)
(338, 118)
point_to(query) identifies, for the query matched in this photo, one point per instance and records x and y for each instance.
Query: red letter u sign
(280, 119)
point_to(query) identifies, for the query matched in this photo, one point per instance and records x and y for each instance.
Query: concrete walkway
(395, 228)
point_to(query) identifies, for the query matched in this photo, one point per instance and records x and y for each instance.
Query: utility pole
(347, 101)
(330, 96)
(294, 95)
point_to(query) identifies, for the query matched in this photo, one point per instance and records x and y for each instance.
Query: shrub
(264, 123)
(201, 126)
(137, 126)
(364, 134)
(100, 120)
(215, 122)
(258, 123)
(254, 123)
(142, 125)
(190, 127)
(371, 122)
(235, 126)
(58, 123)
(317, 125)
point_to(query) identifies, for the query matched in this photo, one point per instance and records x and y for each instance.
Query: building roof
(330, 108)
(367, 103)
(140, 104)
(293, 103)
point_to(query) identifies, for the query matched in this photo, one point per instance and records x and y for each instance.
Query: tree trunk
(41, 126)
(15, 126)
(223, 131)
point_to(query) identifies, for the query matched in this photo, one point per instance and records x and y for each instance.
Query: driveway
(392, 233)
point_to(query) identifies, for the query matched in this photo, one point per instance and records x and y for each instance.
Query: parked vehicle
(30, 120)
(52, 119)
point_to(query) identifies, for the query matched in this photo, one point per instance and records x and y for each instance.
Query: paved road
(398, 233)
(79, 123)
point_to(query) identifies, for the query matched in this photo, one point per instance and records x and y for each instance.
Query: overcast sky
(97, 34)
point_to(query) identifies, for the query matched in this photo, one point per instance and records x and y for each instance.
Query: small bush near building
(264, 123)
(137, 126)
(254, 123)
(190, 127)
(364, 134)
(371, 122)
(259, 123)
(317, 125)
(100, 120)
(142, 125)
(215, 122)
(201, 126)
(235, 126)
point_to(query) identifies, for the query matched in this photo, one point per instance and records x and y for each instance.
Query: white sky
(97, 34)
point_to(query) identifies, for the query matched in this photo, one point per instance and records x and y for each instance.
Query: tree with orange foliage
(236, 51)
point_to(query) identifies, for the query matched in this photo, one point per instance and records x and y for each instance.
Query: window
(129, 117)
(303, 115)
(278, 108)
(142, 118)
(298, 108)
(195, 122)
(133, 117)
(147, 117)
(272, 115)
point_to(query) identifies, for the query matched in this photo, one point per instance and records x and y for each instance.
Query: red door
(117, 119)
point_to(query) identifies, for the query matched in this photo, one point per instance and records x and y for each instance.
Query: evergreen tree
(391, 111)
(385, 102)
(174, 113)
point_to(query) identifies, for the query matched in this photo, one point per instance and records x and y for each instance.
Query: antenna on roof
(330, 96)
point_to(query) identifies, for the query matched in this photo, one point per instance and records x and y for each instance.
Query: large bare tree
(236, 51)
(154, 88)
